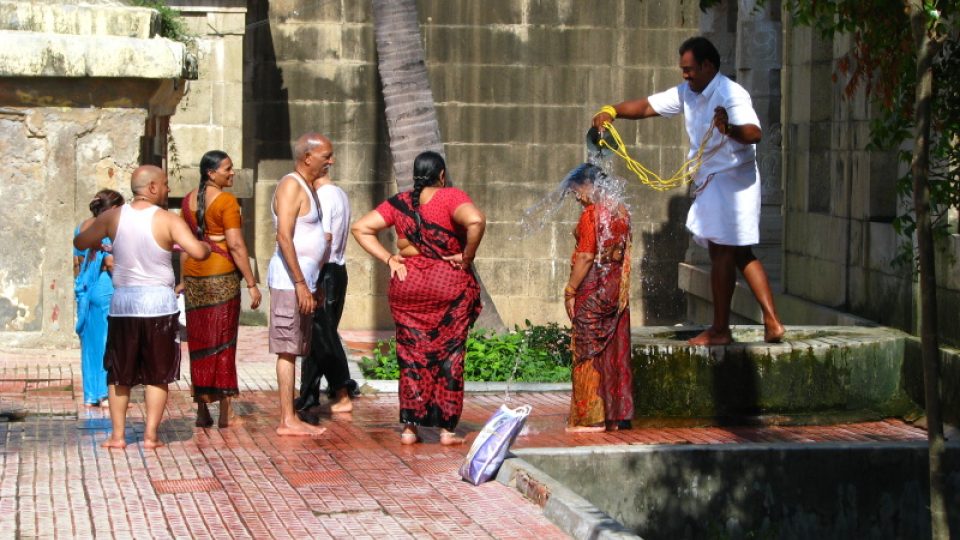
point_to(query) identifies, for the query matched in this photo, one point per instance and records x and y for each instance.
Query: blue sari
(93, 289)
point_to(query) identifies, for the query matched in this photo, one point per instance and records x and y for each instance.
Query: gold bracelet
(387, 262)
(608, 109)
(569, 291)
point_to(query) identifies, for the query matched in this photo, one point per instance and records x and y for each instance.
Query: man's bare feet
(342, 405)
(450, 438)
(114, 443)
(773, 332)
(710, 336)
(204, 420)
(152, 444)
(585, 429)
(298, 428)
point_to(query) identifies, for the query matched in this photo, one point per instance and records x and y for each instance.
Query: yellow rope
(684, 175)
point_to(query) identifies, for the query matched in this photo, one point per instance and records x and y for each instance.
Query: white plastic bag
(490, 448)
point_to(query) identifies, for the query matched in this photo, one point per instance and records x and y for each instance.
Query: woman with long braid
(212, 287)
(434, 295)
(93, 289)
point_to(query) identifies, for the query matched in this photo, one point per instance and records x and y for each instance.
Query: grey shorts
(289, 329)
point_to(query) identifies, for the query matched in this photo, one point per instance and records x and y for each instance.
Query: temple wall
(515, 84)
(85, 92)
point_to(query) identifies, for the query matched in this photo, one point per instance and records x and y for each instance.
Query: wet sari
(93, 289)
(433, 308)
(602, 380)
(212, 290)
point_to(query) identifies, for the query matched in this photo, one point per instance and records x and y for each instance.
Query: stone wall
(85, 91)
(839, 243)
(515, 83)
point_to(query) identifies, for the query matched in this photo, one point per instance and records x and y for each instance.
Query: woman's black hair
(209, 162)
(426, 173)
(104, 200)
(585, 173)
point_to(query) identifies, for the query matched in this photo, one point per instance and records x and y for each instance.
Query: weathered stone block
(490, 12)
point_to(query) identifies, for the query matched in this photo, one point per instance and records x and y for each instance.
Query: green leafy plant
(172, 25)
(530, 354)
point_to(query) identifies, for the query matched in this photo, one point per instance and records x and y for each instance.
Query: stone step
(85, 20)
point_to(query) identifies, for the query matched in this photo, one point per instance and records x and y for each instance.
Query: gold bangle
(608, 109)
(569, 291)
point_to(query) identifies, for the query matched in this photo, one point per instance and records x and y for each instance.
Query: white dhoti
(726, 210)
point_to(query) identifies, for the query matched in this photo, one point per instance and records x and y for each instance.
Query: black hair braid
(419, 182)
(202, 208)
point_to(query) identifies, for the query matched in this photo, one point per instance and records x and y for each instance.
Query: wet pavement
(356, 480)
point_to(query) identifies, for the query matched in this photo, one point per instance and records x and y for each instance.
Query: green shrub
(172, 25)
(531, 354)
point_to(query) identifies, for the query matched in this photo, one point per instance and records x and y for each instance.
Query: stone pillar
(758, 61)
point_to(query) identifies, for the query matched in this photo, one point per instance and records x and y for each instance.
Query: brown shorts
(289, 329)
(142, 350)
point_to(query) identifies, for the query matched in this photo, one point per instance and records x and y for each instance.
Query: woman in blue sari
(93, 288)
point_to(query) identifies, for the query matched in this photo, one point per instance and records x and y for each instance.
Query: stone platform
(818, 374)
(354, 481)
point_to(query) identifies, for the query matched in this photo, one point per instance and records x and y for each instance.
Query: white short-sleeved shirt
(727, 206)
(336, 220)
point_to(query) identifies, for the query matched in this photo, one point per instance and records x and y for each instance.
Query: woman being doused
(596, 299)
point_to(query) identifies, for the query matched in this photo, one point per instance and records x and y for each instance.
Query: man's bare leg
(756, 277)
(290, 424)
(723, 279)
(343, 403)
(119, 397)
(156, 397)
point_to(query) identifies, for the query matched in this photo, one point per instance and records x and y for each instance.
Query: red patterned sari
(602, 380)
(212, 289)
(433, 308)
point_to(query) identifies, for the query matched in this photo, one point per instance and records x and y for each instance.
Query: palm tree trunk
(411, 115)
(929, 345)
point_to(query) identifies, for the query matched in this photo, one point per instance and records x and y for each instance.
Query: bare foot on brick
(710, 336)
(226, 417)
(299, 428)
(114, 443)
(773, 332)
(152, 444)
(342, 405)
(204, 420)
(585, 429)
(450, 438)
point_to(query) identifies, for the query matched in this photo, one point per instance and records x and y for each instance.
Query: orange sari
(602, 379)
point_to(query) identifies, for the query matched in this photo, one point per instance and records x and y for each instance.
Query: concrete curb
(567, 510)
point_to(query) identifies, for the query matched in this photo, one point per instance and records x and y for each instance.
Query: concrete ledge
(695, 281)
(775, 490)
(577, 516)
(33, 54)
(79, 19)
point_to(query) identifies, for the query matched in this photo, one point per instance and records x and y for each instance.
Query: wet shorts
(142, 350)
(290, 330)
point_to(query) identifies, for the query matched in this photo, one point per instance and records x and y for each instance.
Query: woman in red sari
(434, 295)
(597, 301)
(212, 287)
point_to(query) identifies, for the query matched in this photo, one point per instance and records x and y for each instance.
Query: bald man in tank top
(294, 268)
(142, 329)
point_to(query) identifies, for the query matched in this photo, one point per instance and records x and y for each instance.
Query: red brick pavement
(356, 480)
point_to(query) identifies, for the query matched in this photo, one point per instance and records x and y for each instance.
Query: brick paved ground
(354, 481)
